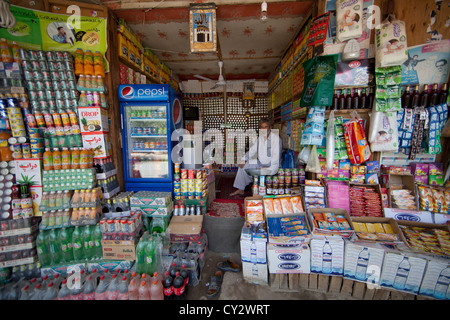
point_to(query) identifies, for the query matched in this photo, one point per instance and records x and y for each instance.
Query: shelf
(106, 175)
(147, 119)
(149, 136)
(149, 150)
(137, 69)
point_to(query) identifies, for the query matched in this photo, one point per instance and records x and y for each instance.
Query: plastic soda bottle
(43, 249)
(65, 236)
(39, 292)
(51, 293)
(100, 291)
(150, 257)
(25, 293)
(144, 294)
(156, 290)
(113, 289)
(55, 247)
(5, 51)
(77, 242)
(48, 159)
(140, 255)
(75, 158)
(178, 287)
(133, 289)
(98, 242)
(168, 286)
(57, 161)
(89, 289)
(88, 243)
(123, 289)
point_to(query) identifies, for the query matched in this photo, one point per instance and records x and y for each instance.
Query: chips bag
(355, 139)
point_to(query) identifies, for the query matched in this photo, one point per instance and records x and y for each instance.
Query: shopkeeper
(264, 154)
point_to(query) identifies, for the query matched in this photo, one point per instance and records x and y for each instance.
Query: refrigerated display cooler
(150, 113)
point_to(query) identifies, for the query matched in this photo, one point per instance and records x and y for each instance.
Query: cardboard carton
(93, 119)
(390, 221)
(185, 228)
(289, 258)
(435, 280)
(317, 231)
(327, 255)
(119, 250)
(255, 273)
(408, 215)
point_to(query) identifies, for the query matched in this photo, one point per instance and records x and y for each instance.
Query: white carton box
(255, 273)
(99, 141)
(409, 215)
(363, 261)
(254, 250)
(93, 119)
(289, 258)
(435, 282)
(402, 271)
(28, 170)
(327, 255)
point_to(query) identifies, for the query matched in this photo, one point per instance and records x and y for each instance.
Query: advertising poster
(39, 30)
(427, 64)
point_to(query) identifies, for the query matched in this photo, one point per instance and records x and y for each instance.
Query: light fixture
(263, 17)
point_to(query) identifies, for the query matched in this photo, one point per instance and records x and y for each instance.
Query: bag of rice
(391, 45)
(349, 16)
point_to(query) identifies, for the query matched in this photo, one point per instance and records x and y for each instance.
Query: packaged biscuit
(297, 204)
(268, 205)
(277, 207)
(355, 139)
(286, 205)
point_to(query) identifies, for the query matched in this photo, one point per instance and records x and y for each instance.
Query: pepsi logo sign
(354, 64)
(127, 92)
(407, 217)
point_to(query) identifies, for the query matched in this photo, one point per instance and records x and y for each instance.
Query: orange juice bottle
(87, 196)
(88, 63)
(79, 56)
(48, 159)
(91, 158)
(75, 212)
(99, 70)
(5, 151)
(74, 158)
(92, 213)
(57, 161)
(15, 52)
(65, 159)
(76, 196)
(84, 158)
(94, 195)
(5, 51)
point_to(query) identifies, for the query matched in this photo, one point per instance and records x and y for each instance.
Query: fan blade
(202, 77)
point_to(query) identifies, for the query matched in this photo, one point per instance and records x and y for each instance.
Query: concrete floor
(234, 287)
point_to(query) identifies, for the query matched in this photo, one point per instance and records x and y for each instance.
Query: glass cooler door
(147, 143)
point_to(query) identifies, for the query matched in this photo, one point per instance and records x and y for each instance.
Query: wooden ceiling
(249, 47)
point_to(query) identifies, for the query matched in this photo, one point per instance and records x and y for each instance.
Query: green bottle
(65, 236)
(140, 254)
(98, 242)
(88, 243)
(43, 249)
(55, 246)
(150, 262)
(77, 242)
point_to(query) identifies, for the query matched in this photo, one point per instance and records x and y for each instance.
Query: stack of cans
(50, 79)
(190, 184)
(8, 190)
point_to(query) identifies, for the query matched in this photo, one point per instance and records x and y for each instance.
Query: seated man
(265, 155)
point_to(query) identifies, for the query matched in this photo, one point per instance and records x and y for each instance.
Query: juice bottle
(5, 151)
(76, 196)
(57, 161)
(92, 213)
(94, 195)
(65, 122)
(84, 158)
(79, 62)
(48, 159)
(58, 123)
(75, 214)
(88, 63)
(91, 158)
(123, 46)
(82, 101)
(99, 67)
(74, 121)
(15, 52)
(5, 51)
(81, 82)
(65, 158)
(75, 158)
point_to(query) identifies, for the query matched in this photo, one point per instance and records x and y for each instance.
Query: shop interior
(125, 134)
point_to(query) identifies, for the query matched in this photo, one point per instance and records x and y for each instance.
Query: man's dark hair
(264, 120)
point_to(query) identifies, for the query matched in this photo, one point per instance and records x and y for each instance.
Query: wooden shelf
(136, 69)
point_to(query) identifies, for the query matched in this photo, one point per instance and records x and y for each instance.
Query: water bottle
(64, 292)
(57, 279)
(133, 289)
(156, 290)
(76, 293)
(51, 293)
(43, 249)
(77, 243)
(361, 265)
(65, 236)
(25, 293)
(327, 257)
(113, 288)
(100, 291)
(123, 289)
(39, 292)
(157, 276)
(144, 293)
(402, 274)
(89, 289)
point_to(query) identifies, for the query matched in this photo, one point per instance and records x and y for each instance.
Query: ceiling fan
(221, 81)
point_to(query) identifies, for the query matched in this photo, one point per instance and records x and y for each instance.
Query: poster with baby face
(427, 64)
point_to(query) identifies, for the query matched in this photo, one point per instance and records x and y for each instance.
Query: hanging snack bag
(349, 16)
(391, 45)
(320, 73)
(355, 138)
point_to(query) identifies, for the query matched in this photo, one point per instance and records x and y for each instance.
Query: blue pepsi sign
(143, 92)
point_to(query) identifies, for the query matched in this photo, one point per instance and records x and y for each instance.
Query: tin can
(12, 103)
(28, 75)
(45, 75)
(34, 65)
(198, 174)
(26, 65)
(50, 94)
(26, 150)
(124, 225)
(32, 54)
(40, 55)
(184, 174)
(191, 174)
(23, 54)
(49, 55)
(198, 195)
(103, 223)
(59, 56)
(63, 75)
(110, 225)
(43, 65)
(68, 65)
(66, 55)
(71, 84)
(117, 226)
(73, 93)
(54, 75)
(131, 225)
(31, 85)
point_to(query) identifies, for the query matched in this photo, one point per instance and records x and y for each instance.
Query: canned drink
(26, 150)
(54, 75)
(73, 94)
(103, 223)
(68, 65)
(110, 225)
(59, 95)
(23, 54)
(131, 225)
(26, 65)
(12, 102)
(49, 55)
(42, 65)
(34, 65)
(45, 75)
(63, 76)
(49, 95)
(117, 226)
(58, 55)
(124, 225)
(40, 55)
(28, 74)
(31, 85)
(71, 84)
(40, 85)
(32, 54)
(66, 55)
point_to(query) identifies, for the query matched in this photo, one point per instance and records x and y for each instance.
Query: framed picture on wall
(249, 91)
(202, 27)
